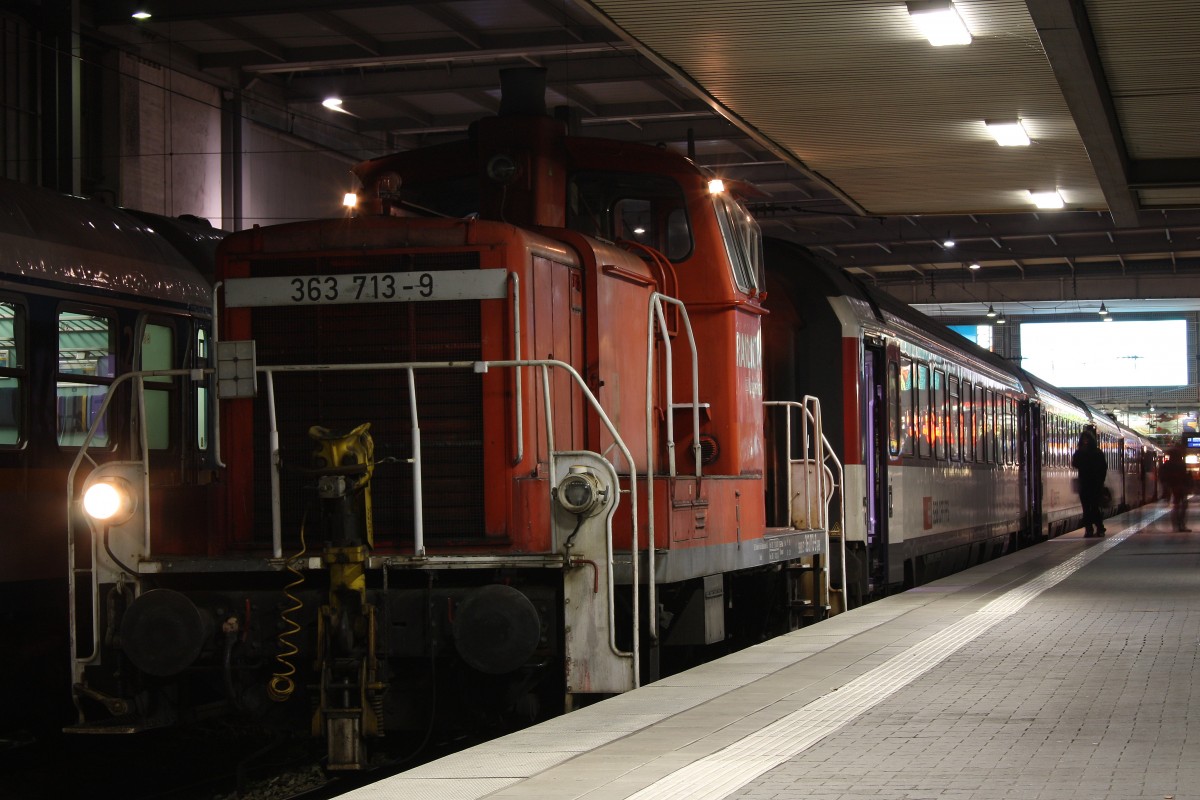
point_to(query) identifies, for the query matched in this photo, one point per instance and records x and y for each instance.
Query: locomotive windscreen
(448, 402)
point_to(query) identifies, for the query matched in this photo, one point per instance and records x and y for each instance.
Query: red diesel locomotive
(490, 447)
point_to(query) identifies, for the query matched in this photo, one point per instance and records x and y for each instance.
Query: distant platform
(1066, 670)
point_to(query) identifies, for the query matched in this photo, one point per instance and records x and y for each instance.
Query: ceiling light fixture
(141, 15)
(939, 22)
(1007, 133)
(948, 243)
(991, 312)
(973, 265)
(334, 104)
(1000, 320)
(1050, 199)
(1103, 310)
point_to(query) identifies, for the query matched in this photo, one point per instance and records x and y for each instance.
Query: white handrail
(138, 379)
(655, 314)
(826, 485)
(269, 372)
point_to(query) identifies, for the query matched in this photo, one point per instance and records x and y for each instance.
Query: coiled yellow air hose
(281, 685)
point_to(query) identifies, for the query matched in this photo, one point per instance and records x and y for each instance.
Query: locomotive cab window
(743, 242)
(648, 209)
(86, 367)
(12, 373)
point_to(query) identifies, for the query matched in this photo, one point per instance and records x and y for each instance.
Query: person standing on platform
(1178, 483)
(1091, 466)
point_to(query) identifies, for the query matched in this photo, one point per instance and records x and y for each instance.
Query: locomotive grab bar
(73, 571)
(822, 451)
(655, 315)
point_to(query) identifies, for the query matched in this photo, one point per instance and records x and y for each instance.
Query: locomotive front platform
(1063, 670)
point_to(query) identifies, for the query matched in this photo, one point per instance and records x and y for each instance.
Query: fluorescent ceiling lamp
(1050, 199)
(939, 22)
(1008, 134)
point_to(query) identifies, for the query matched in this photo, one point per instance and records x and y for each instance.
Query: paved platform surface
(1067, 670)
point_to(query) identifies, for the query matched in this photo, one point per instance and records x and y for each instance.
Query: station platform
(1070, 669)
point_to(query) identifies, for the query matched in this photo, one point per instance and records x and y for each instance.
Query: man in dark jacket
(1178, 484)
(1090, 463)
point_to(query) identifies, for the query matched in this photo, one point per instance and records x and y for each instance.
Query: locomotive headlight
(581, 492)
(109, 500)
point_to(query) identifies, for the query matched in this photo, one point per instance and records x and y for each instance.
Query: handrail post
(273, 455)
(418, 496)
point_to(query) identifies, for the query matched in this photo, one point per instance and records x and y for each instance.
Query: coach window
(1006, 405)
(968, 420)
(86, 366)
(955, 419)
(157, 353)
(993, 427)
(1001, 430)
(893, 408)
(981, 414)
(907, 406)
(941, 414)
(924, 411)
(12, 373)
(201, 391)
(1012, 430)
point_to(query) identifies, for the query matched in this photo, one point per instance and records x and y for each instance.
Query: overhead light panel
(1009, 133)
(1044, 199)
(939, 22)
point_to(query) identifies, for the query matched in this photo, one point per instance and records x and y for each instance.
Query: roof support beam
(1067, 37)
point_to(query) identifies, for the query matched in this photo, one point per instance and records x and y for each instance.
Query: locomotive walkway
(1066, 670)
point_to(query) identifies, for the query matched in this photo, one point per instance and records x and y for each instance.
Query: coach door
(875, 459)
(1031, 468)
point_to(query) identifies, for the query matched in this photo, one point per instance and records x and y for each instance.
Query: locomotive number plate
(373, 287)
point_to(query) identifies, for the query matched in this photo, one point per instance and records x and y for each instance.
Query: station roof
(868, 143)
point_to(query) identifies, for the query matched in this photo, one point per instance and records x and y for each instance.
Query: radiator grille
(448, 402)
